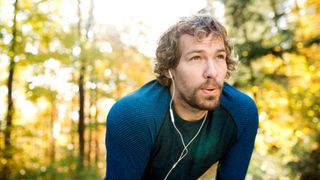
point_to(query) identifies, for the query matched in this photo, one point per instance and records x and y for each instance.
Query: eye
(195, 58)
(221, 57)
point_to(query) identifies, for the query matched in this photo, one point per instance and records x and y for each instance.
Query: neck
(188, 113)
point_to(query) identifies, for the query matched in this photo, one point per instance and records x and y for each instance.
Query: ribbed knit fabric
(134, 122)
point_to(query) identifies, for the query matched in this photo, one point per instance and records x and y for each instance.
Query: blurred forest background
(58, 79)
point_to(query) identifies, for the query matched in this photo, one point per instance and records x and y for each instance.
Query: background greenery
(58, 81)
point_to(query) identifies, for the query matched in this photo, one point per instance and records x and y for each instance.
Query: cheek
(195, 77)
(188, 79)
(188, 72)
(223, 71)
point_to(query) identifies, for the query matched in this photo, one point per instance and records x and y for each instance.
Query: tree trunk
(81, 117)
(81, 125)
(12, 52)
(10, 108)
(81, 97)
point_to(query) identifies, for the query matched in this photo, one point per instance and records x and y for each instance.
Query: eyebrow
(221, 50)
(200, 51)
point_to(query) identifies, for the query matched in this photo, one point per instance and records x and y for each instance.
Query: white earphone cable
(185, 147)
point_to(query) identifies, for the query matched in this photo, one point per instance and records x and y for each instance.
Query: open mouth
(209, 90)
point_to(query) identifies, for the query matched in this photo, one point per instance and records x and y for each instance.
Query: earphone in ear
(171, 113)
(170, 74)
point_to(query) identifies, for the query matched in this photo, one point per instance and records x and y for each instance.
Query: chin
(210, 103)
(211, 106)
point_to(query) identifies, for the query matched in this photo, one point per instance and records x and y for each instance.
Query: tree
(10, 107)
(83, 64)
(275, 55)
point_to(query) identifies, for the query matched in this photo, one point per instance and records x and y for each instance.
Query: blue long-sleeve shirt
(134, 122)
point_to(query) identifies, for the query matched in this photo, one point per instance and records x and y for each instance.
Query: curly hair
(199, 26)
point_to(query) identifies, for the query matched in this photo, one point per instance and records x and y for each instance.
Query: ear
(168, 74)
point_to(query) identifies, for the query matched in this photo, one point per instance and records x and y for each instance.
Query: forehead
(213, 41)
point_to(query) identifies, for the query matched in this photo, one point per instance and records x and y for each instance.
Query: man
(179, 125)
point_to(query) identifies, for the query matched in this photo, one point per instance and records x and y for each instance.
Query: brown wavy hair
(199, 26)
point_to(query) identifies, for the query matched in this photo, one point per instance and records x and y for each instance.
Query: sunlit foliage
(44, 133)
(277, 42)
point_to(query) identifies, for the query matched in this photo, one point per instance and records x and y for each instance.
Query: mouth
(210, 90)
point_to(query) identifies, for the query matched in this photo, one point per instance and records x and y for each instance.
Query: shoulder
(232, 97)
(143, 109)
(150, 98)
(132, 126)
(242, 108)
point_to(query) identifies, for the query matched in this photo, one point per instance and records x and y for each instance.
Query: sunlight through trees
(60, 75)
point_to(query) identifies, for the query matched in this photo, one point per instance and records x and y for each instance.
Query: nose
(211, 70)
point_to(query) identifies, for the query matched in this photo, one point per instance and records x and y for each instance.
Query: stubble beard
(196, 101)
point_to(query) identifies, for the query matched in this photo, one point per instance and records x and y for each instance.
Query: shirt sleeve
(235, 163)
(128, 142)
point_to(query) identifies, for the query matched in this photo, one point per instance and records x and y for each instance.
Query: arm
(235, 163)
(132, 126)
(127, 141)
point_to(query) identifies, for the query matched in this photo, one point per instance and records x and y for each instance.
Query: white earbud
(170, 74)
(171, 113)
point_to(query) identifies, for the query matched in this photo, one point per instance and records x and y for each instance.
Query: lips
(209, 90)
(211, 86)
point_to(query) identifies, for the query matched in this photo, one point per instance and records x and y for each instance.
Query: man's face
(201, 72)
